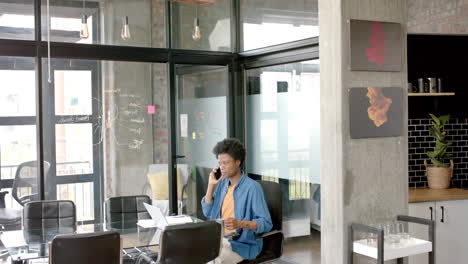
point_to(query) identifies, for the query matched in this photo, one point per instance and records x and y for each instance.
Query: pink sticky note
(151, 109)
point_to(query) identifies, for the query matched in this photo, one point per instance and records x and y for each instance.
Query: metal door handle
(442, 219)
(179, 156)
(430, 208)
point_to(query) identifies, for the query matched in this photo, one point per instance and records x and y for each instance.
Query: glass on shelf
(373, 237)
(403, 232)
(395, 234)
(391, 234)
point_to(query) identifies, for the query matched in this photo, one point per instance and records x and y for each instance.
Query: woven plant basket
(438, 177)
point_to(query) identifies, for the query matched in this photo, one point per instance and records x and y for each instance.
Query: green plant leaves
(437, 131)
(444, 119)
(435, 119)
(438, 163)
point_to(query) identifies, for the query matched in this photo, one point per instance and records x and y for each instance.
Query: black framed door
(72, 111)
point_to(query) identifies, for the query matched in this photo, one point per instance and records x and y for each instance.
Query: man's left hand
(231, 223)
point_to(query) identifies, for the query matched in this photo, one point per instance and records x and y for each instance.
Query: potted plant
(439, 172)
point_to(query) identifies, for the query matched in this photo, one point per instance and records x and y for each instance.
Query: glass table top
(32, 244)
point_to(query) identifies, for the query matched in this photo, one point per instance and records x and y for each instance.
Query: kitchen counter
(427, 195)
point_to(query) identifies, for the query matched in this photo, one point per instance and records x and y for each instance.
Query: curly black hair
(231, 146)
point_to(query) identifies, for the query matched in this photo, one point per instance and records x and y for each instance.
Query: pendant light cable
(48, 41)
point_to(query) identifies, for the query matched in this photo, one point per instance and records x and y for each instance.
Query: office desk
(25, 245)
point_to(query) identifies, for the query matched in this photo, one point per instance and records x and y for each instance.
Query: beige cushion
(160, 185)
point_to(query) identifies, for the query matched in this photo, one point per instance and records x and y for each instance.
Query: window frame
(237, 63)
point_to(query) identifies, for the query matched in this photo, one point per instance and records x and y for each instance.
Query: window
(270, 22)
(105, 128)
(17, 122)
(17, 19)
(213, 20)
(105, 19)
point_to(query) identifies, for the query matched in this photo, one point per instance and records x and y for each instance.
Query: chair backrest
(89, 248)
(125, 211)
(25, 184)
(49, 215)
(274, 199)
(193, 243)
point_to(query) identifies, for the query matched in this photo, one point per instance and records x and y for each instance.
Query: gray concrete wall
(133, 139)
(363, 180)
(128, 126)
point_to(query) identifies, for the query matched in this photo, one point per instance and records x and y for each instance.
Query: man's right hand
(212, 181)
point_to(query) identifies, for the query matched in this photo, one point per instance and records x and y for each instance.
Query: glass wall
(109, 22)
(283, 138)
(201, 25)
(270, 22)
(105, 130)
(18, 146)
(17, 19)
(202, 122)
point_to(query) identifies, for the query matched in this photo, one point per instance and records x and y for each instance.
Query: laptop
(159, 220)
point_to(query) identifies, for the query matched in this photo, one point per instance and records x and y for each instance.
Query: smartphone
(232, 235)
(218, 173)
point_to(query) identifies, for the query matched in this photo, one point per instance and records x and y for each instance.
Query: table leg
(17, 261)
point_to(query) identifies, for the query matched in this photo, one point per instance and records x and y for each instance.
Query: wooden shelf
(431, 94)
(415, 246)
(428, 195)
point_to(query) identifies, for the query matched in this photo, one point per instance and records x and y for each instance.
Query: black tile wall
(420, 142)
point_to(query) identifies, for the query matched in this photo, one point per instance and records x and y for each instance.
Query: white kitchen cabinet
(451, 230)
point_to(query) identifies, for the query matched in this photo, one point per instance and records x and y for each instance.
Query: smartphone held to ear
(218, 173)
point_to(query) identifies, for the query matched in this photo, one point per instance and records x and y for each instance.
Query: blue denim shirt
(249, 205)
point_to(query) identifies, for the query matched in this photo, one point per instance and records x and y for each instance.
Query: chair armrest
(2, 198)
(272, 232)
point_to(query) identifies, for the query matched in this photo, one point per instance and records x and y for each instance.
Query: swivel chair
(24, 189)
(273, 240)
(123, 212)
(90, 248)
(192, 243)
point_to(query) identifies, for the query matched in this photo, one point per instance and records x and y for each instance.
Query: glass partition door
(201, 123)
(283, 138)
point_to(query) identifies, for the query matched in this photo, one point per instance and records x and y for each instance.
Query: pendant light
(125, 33)
(196, 33)
(84, 32)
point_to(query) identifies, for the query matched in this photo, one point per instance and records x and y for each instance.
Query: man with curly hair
(238, 200)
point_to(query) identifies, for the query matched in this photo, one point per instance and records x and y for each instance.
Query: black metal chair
(123, 212)
(43, 220)
(24, 189)
(49, 215)
(193, 243)
(273, 240)
(90, 248)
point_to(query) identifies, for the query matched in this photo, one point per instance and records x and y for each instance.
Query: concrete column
(363, 180)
